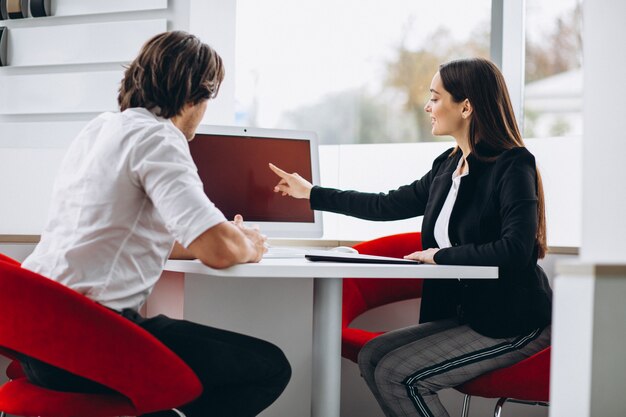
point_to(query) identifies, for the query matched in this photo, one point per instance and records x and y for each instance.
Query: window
(354, 71)
(554, 79)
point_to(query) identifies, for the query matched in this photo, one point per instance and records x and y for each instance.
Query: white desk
(326, 384)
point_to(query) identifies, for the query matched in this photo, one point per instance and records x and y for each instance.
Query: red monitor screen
(236, 176)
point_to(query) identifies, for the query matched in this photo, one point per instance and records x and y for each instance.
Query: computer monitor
(233, 166)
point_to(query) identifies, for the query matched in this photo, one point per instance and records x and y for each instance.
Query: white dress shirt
(126, 189)
(443, 221)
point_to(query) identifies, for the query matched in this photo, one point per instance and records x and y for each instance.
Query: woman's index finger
(278, 171)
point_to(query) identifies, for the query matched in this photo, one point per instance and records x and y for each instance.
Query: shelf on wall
(19, 9)
(83, 43)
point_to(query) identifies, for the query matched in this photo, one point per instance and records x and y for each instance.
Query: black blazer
(493, 222)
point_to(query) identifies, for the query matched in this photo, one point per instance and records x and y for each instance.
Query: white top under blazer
(126, 190)
(443, 220)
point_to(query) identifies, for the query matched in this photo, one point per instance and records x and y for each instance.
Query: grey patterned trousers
(405, 368)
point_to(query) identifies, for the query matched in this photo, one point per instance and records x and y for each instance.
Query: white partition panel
(383, 167)
(560, 163)
(80, 7)
(81, 43)
(329, 177)
(380, 168)
(26, 179)
(82, 92)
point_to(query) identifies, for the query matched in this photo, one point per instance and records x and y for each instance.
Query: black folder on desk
(330, 256)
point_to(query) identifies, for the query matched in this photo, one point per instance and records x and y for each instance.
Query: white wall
(588, 368)
(277, 310)
(604, 204)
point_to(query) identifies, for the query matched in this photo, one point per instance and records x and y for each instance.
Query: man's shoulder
(140, 124)
(138, 118)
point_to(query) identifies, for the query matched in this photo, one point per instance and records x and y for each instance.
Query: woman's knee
(386, 372)
(365, 359)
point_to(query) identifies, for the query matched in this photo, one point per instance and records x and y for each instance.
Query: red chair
(50, 322)
(6, 259)
(360, 295)
(526, 382)
(14, 370)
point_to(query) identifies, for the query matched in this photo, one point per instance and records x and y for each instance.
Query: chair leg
(2, 414)
(466, 405)
(498, 410)
(180, 413)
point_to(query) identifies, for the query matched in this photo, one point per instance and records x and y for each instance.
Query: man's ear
(467, 109)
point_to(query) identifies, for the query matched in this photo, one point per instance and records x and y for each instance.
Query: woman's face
(446, 116)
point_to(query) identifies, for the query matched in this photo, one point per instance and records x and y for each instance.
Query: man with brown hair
(128, 195)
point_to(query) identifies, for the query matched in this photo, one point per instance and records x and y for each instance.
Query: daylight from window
(358, 71)
(554, 77)
(354, 71)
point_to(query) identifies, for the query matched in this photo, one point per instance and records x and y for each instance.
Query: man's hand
(229, 243)
(427, 256)
(253, 234)
(291, 184)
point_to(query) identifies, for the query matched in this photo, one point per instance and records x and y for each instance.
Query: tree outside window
(358, 71)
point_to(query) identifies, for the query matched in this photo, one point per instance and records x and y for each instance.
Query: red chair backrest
(362, 294)
(4, 258)
(50, 322)
(13, 369)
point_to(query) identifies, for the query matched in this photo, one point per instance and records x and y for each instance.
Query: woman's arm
(405, 202)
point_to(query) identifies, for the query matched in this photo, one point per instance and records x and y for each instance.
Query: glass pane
(554, 79)
(355, 71)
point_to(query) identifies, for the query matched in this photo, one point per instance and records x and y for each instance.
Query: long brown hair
(172, 70)
(493, 122)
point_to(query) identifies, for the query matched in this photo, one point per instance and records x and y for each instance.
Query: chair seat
(526, 380)
(20, 397)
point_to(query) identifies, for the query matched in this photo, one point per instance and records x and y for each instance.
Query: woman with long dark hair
(483, 204)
